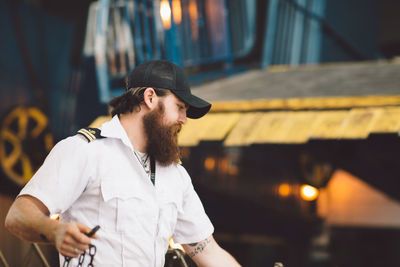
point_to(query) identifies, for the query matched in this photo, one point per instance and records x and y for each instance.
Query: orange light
(165, 12)
(55, 217)
(193, 14)
(172, 244)
(284, 190)
(177, 11)
(308, 192)
(233, 170)
(223, 165)
(209, 164)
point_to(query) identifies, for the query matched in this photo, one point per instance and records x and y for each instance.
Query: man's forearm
(29, 220)
(208, 253)
(220, 257)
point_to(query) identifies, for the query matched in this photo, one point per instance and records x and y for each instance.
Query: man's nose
(183, 118)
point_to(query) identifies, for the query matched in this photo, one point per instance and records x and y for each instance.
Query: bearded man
(126, 178)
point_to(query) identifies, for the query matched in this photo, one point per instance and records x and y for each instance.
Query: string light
(308, 192)
(165, 12)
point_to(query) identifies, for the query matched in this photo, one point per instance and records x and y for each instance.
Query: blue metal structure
(193, 33)
(293, 32)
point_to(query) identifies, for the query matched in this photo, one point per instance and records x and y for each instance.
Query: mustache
(176, 128)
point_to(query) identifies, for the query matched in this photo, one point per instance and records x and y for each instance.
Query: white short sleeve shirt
(103, 183)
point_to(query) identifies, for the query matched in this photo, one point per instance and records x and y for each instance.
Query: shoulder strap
(90, 134)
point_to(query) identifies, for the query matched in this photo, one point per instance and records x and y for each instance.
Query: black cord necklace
(143, 160)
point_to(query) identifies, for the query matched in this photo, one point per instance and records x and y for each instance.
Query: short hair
(131, 100)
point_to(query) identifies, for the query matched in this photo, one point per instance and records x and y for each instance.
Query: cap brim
(197, 106)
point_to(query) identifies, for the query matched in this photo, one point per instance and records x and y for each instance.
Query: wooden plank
(219, 125)
(271, 128)
(328, 124)
(192, 132)
(213, 127)
(358, 123)
(387, 121)
(243, 128)
(302, 124)
(342, 102)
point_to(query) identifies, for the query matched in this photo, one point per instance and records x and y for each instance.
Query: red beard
(162, 139)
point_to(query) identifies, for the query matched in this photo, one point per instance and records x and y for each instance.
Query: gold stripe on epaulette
(87, 134)
(93, 137)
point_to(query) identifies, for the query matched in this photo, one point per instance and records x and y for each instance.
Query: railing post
(172, 40)
(269, 36)
(315, 32)
(147, 32)
(3, 259)
(35, 247)
(138, 31)
(298, 34)
(41, 255)
(100, 51)
(229, 58)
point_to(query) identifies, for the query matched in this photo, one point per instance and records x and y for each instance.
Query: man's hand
(208, 253)
(28, 219)
(70, 239)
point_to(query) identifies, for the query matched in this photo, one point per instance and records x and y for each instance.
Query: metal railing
(3, 260)
(292, 36)
(124, 33)
(294, 33)
(34, 249)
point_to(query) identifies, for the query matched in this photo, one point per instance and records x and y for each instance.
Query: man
(126, 179)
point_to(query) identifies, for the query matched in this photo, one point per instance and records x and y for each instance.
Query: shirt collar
(114, 129)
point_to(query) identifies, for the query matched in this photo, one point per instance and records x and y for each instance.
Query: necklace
(143, 159)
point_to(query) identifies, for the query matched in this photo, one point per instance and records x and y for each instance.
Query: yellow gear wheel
(25, 140)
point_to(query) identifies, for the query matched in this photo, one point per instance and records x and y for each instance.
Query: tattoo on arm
(199, 247)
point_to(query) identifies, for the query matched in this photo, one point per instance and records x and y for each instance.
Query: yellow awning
(213, 127)
(296, 127)
(337, 102)
(245, 126)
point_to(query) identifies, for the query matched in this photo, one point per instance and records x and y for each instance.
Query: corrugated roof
(307, 81)
(292, 105)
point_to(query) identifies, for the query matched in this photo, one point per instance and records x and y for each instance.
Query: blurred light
(193, 13)
(177, 11)
(172, 244)
(55, 216)
(233, 170)
(209, 164)
(165, 12)
(185, 152)
(223, 165)
(308, 192)
(284, 190)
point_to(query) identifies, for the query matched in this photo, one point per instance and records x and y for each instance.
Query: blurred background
(298, 160)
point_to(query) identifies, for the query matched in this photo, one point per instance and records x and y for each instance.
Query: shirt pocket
(170, 207)
(121, 207)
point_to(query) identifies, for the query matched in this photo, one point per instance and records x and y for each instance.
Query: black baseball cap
(166, 75)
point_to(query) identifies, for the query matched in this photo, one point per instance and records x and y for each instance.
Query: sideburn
(162, 140)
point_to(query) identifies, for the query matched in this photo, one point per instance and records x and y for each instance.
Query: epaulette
(90, 134)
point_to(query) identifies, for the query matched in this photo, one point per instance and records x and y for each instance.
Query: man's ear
(150, 98)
